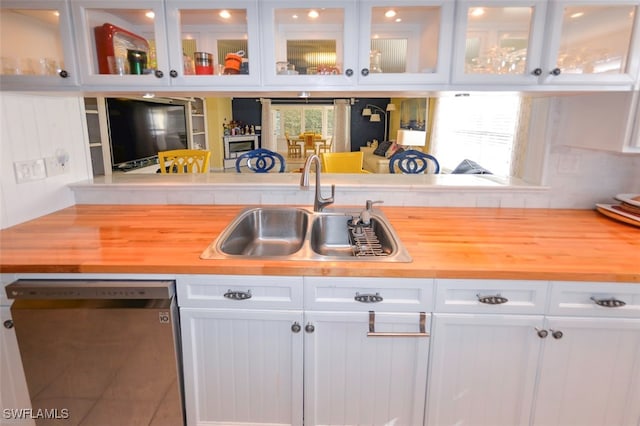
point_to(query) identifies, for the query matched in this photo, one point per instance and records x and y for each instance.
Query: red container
(232, 63)
(115, 41)
(204, 63)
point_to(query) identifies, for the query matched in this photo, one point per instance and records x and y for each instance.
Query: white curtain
(342, 125)
(268, 138)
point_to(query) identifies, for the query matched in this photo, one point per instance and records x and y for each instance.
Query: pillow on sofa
(393, 150)
(382, 148)
(469, 167)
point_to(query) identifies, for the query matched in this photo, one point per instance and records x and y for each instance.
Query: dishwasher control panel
(90, 289)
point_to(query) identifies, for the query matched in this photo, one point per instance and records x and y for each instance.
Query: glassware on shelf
(374, 61)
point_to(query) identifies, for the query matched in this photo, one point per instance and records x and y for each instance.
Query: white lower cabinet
(589, 373)
(352, 378)
(242, 366)
(483, 369)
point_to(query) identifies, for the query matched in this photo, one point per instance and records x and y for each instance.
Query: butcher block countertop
(538, 244)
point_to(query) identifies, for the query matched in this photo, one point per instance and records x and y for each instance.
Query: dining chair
(413, 161)
(293, 148)
(342, 162)
(260, 161)
(309, 143)
(325, 146)
(184, 161)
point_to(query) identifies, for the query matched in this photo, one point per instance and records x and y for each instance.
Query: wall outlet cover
(54, 167)
(30, 170)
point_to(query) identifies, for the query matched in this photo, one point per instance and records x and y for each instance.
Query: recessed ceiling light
(295, 16)
(304, 94)
(476, 11)
(151, 14)
(313, 14)
(224, 14)
(56, 13)
(398, 19)
(576, 15)
(390, 13)
(149, 95)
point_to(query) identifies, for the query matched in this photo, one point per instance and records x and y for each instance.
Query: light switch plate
(30, 170)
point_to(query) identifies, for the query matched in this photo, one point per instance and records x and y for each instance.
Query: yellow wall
(217, 110)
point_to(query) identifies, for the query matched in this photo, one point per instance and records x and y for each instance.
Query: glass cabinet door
(213, 42)
(121, 43)
(499, 41)
(309, 45)
(37, 46)
(405, 42)
(593, 41)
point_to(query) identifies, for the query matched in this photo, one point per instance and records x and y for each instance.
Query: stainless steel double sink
(292, 233)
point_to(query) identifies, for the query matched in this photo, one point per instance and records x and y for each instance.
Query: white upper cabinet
(533, 42)
(309, 46)
(121, 43)
(405, 42)
(37, 45)
(213, 42)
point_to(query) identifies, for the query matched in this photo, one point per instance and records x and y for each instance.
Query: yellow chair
(342, 162)
(325, 146)
(184, 161)
(293, 148)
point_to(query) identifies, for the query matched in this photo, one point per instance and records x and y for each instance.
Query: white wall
(34, 127)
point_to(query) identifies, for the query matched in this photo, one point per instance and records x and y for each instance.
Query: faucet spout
(319, 202)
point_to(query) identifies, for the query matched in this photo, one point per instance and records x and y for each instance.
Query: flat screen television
(138, 130)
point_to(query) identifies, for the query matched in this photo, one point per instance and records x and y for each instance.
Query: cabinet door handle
(348, 72)
(492, 300)
(238, 295)
(8, 324)
(159, 74)
(173, 73)
(555, 71)
(295, 327)
(364, 72)
(368, 298)
(557, 334)
(63, 73)
(537, 71)
(542, 333)
(309, 328)
(609, 303)
(373, 333)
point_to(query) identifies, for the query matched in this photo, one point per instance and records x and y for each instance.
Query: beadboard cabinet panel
(590, 374)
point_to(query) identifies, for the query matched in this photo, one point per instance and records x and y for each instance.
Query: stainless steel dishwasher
(100, 352)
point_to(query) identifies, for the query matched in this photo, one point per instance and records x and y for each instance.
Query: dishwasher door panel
(107, 362)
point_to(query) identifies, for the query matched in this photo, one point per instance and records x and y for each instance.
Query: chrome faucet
(319, 203)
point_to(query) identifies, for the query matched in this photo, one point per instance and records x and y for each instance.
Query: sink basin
(266, 232)
(290, 233)
(331, 235)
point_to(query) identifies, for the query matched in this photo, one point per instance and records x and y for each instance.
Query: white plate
(609, 210)
(627, 198)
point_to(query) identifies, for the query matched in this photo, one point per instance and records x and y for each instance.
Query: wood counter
(539, 244)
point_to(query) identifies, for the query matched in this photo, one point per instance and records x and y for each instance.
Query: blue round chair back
(260, 161)
(412, 161)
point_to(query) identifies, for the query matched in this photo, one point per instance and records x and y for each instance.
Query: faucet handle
(371, 203)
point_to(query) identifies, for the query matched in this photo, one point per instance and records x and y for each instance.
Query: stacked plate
(628, 211)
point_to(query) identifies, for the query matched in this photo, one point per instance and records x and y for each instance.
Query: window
(478, 128)
(296, 119)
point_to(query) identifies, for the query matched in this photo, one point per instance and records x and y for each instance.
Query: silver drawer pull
(238, 295)
(368, 298)
(492, 300)
(609, 303)
(373, 333)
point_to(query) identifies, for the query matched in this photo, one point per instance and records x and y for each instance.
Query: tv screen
(139, 130)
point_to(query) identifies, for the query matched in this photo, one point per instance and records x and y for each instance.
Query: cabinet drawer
(239, 291)
(491, 296)
(595, 299)
(368, 294)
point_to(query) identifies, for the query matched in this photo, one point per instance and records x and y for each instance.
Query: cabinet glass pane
(123, 41)
(497, 40)
(309, 41)
(31, 42)
(214, 41)
(595, 39)
(404, 39)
